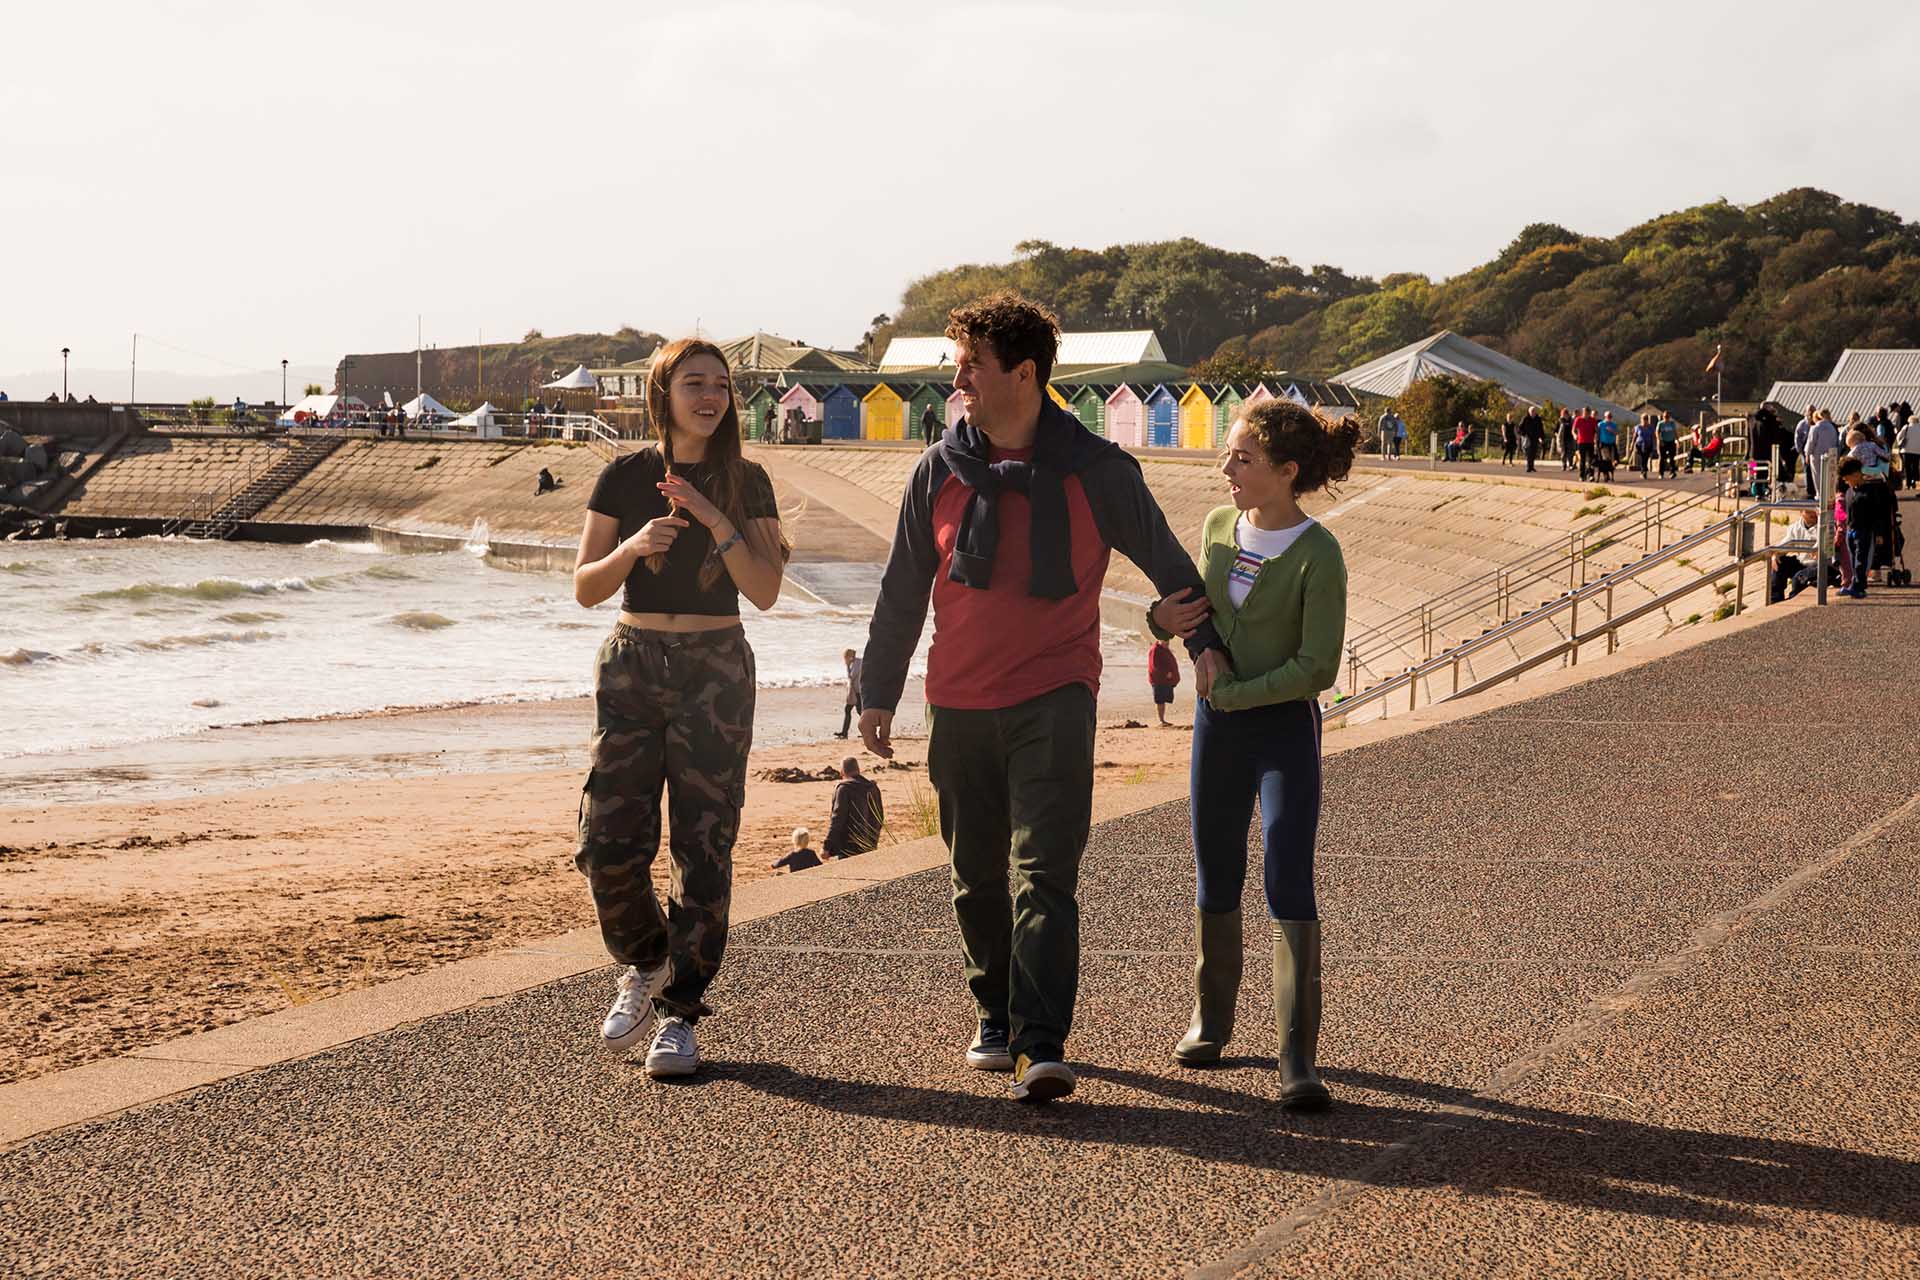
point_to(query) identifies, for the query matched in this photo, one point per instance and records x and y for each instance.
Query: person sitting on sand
(801, 856)
(1278, 587)
(684, 529)
(858, 814)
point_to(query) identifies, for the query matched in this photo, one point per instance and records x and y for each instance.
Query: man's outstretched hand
(1180, 613)
(876, 730)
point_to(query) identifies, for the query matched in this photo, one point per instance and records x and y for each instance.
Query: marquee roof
(1447, 352)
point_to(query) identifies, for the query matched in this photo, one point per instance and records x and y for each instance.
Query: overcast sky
(244, 183)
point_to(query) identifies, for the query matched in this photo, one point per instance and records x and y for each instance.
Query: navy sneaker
(989, 1051)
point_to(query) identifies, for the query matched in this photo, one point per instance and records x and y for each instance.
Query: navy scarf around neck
(1057, 453)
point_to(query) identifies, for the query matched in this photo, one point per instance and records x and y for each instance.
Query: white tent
(425, 406)
(578, 380)
(481, 420)
(321, 407)
(1449, 353)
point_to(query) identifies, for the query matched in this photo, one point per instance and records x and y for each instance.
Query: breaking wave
(421, 621)
(215, 589)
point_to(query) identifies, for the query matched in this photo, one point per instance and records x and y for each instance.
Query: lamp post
(63, 372)
(283, 384)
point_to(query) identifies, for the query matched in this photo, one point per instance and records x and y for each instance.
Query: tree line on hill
(1782, 286)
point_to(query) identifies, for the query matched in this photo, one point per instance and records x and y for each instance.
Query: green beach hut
(763, 413)
(928, 395)
(1089, 404)
(1228, 398)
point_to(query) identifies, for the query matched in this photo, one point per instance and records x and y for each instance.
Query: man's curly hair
(1016, 329)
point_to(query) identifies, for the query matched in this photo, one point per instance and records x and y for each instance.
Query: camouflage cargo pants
(672, 708)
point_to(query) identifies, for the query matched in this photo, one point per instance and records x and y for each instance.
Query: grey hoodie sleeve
(1133, 524)
(905, 589)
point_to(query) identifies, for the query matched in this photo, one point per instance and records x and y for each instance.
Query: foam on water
(111, 643)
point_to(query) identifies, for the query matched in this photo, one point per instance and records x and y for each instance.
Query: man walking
(853, 664)
(1586, 433)
(1387, 433)
(1823, 441)
(1533, 434)
(1009, 525)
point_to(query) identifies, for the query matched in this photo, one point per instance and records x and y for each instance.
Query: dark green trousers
(1015, 787)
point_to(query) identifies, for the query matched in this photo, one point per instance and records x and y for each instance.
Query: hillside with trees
(1784, 285)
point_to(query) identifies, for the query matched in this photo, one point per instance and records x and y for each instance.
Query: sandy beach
(232, 873)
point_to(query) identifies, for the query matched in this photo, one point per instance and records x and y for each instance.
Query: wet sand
(195, 882)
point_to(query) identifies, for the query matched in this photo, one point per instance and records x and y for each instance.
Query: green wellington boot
(1216, 980)
(1296, 1012)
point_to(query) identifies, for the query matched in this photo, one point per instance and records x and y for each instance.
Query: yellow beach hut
(1196, 418)
(883, 414)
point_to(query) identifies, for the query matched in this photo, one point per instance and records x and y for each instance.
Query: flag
(1715, 362)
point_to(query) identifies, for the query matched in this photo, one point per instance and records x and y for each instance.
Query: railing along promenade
(1567, 641)
(1414, 633)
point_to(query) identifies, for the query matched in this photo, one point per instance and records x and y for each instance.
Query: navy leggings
(1272, 753)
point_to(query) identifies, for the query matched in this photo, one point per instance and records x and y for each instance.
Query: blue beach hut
(840, 414)
(1163, 417)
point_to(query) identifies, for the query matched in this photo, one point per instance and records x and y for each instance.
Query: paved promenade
(1620, 981)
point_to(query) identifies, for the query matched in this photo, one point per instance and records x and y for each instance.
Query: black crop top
(626, 492)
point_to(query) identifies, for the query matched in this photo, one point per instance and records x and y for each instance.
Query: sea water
(107, 643)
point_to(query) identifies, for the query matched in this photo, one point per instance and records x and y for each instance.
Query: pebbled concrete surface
(1620, 981)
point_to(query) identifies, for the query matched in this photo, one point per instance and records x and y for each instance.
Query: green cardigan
(1285, 641)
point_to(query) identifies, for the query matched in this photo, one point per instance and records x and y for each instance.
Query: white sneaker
(674, 1052)
(631, 1019)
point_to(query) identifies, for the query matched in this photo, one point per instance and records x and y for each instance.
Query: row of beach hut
(1191, 415)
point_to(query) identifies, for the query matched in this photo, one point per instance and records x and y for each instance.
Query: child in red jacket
(1163, 673)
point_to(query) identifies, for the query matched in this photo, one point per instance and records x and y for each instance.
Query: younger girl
(685, 528)
(1278, 587)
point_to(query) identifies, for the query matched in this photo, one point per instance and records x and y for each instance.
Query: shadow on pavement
(1483, 1147)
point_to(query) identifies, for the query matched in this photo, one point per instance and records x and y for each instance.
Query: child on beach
(1163, 675)
(1278, 586)
(801, 856)
(684, 528)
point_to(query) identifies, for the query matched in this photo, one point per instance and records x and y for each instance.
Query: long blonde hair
(724, 457)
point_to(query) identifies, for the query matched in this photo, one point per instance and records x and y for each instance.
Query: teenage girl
(684, 528)
(1278, 587)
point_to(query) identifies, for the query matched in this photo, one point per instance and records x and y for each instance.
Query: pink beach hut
(805, 400)
(1126, 419)
(1261, 393)
(956, 408)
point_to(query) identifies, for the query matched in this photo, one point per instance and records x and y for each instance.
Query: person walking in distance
(1163, 676)
(1586, 436)
(1009, 526)
(1667, 435)
(1533, 436)
(1509, 441)
(1565, 439)
(1278, 586)
(683, 529)
(852, 660)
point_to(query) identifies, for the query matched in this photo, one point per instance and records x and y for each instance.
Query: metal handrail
(1495, 589)
(1410, 679)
